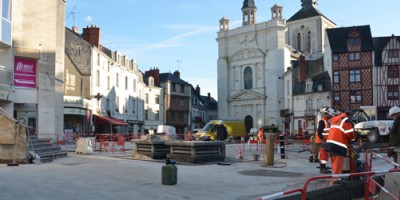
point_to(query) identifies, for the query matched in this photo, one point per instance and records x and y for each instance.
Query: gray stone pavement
(115, 175)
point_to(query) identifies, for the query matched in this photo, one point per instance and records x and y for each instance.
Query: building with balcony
(32, 64)
(153, 104)
(110, 81)
(307, 89)
(199, 110)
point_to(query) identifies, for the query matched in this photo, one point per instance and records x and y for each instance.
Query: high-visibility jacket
(322, 131)
(340, 133)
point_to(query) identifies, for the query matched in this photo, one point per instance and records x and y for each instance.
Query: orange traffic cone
(240, 153)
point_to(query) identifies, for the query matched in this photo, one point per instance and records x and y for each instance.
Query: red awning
(110, 120)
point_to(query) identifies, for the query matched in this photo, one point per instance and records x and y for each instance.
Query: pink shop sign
(24, 81)
(27, 67)
(24, 73)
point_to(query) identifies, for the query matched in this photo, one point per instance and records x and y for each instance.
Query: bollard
(169, 173)
(189, 136)
(269, 149)
(282, 145)
(397, 151)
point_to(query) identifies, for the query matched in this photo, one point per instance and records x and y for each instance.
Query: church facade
(253, 58)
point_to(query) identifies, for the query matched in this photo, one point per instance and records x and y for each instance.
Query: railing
(108, 142)
(368, 179)
(371, 183)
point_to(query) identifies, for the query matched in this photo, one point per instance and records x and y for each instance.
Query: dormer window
(151, 82)
(354, 41)
(309, 85)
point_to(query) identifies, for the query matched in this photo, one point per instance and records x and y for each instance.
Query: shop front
(109, 125)
(77, 118)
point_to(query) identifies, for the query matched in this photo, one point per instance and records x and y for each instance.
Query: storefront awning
(110, 120)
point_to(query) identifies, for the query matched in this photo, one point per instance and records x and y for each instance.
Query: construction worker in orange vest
(340, 135)
(321, 137)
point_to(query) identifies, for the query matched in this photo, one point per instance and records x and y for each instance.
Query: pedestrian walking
(338, 141)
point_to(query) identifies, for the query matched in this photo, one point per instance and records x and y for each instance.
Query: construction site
(144, 168)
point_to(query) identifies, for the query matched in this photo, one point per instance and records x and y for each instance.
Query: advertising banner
(24, 73)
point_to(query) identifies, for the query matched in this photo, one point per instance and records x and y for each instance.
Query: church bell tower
(249, 12)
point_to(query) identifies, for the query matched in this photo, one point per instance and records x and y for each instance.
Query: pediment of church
(246, 95)
(247, 54)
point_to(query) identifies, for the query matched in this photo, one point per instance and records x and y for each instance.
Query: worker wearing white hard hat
(222, 133)
(394, 134)
(321, 136)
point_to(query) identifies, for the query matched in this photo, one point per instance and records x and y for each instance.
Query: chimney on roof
(198, 89)
(177, 74)
(209, 95)
(92, 35)
(155, 73)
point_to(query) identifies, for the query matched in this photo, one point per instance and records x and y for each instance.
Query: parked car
(167, 130)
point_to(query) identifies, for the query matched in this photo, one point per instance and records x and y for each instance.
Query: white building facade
(153, 105)
(109, 80)
(251, 62)
(32, 64)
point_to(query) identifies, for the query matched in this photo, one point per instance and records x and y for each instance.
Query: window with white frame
(126, 105)
(309, 86)
(108, 82)
(126, 82)
(355, 96)
(354, 56)
(335, 57)
(117, 80)
(133, 106)
(355, 76)
(335, 77)
(117, 104)
(98, 78)
(157, 100)
(287, 87)
(309, 105)
(98, 59)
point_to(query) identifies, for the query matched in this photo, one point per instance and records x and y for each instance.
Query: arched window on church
(248, 78)
(299, 41)
(309, 42)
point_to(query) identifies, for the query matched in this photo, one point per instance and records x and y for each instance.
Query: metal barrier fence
(108, 142)
(370, 183)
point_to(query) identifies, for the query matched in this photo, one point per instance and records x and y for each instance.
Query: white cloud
(175, 41)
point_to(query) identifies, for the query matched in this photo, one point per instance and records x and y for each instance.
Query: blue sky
(180, 34)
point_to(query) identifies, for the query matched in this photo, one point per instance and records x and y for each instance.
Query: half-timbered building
(386, 73)
(351, 61)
